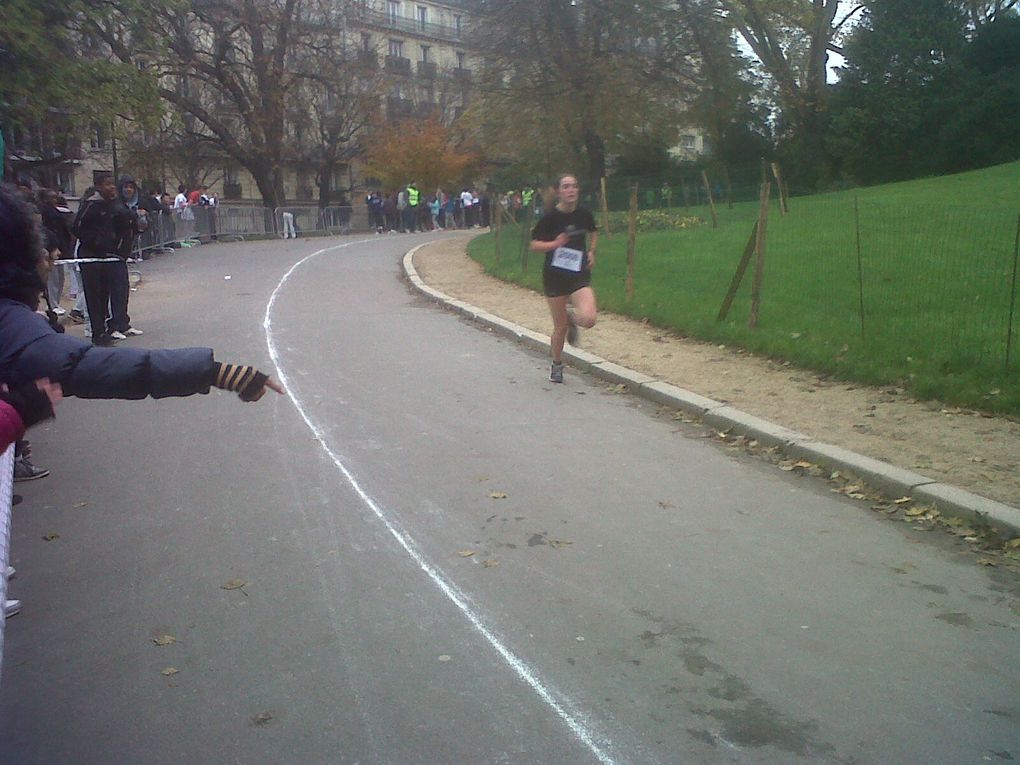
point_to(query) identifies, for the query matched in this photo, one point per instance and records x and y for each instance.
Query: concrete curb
(889, 479)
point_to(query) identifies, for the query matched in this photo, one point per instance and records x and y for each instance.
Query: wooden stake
(711, 202)
(784, 205)
(761, 237)
(631, 237)
(498, 212)
(738, 277)
(605, 209)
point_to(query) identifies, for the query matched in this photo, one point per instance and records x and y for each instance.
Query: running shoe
(118, 335)
(12, 607)
(26, 471)
(77, 317)
(133, 332)
(556, 372)
(58, 310)
(11, 572)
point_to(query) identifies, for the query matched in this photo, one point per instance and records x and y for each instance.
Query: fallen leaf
(490, 563)
(557, 543)
(903, 500)
(164, 640)
(915, 511)
(666, 505)
(261, 719)
(1013, 544)
(77, 505)
(50, 537)
(466, 553)
(169, 671)
(444, 657)
(497, 495)
(986, 562)
(233, 584)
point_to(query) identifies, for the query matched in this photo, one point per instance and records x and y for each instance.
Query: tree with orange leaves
(423, 151)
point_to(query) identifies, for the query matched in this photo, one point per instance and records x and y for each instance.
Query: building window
(393, 10)
(456, 24)
(65, 181)
(687, 141)
(423, 16)
(426, 54)
(366, 42)
(97, 138)
(461, 60)
(397, 48)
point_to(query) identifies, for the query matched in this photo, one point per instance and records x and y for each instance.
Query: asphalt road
(448, 559)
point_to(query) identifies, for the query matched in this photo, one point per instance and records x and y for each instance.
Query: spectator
(31, 350)
(56, 221)
(105, 229)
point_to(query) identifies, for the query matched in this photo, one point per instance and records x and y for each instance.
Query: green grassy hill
(909, 283)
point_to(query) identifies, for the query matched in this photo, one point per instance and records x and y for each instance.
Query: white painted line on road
(556, 701)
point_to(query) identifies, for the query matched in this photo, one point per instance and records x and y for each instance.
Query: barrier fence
(6, 495)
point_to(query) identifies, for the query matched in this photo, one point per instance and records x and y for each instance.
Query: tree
(565, 80)
(792, 40)
(889, 106)
(423, 151)
(233, 70)
(49, 98)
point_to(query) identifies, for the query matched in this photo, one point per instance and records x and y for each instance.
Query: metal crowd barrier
(6, 497)
(297, 220)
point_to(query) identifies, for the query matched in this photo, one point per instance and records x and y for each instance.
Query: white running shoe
(12, 607)
(59, 311)
(11, 571)
(118, 335)
(133, 332)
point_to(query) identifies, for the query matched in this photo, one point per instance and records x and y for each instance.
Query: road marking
(555, 700)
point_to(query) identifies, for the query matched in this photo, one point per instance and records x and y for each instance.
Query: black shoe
(104, 341)
(77, 317)
(26, 471)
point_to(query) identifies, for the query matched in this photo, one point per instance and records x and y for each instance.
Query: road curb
(888, 478)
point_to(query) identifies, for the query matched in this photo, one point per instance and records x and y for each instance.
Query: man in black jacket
(106, 228)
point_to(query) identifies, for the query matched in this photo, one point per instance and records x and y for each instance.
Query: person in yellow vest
(413, 200)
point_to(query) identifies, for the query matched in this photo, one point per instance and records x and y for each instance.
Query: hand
(53, 391)
(591, 259)
(271, 384)
(561, 241)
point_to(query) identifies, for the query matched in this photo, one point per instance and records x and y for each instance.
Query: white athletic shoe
(12, 607)
(118, 335)
(11, 571)
(133, 332)
(59, 311)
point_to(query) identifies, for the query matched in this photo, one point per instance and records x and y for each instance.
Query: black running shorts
(557, 282)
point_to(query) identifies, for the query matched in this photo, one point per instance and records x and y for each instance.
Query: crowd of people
(39, 362)
(408, 210)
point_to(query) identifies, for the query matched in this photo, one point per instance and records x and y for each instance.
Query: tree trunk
(595, 148)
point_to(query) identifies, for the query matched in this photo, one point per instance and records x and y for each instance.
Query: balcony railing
(427, 69)
(462, 75)
(411, 26)
(368, 58)
(398, 64)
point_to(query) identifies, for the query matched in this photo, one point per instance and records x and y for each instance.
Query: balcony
(398, 64)
(427, 69)
(382, 20)
(462, 76)
(368, 59)
(399, 108)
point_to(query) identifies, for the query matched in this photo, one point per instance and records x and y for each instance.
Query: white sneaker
(11, 571)
(118, 335)
(59, 311)
(133, 332)
(12, 607)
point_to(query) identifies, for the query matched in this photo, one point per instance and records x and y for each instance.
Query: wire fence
(870, 288)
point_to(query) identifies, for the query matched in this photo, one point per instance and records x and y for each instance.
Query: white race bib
(568, 259)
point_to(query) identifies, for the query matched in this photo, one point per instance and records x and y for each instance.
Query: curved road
(447, 559)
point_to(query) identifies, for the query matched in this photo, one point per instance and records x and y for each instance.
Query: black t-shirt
(575, 224)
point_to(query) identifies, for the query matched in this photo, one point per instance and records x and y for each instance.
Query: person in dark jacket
(30, 350)
(56, 220)
(105, 229)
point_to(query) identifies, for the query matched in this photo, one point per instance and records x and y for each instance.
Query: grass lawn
(935, 278)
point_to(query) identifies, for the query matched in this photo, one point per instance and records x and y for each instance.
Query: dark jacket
(104, 228)
(57, 224)
(30, 349)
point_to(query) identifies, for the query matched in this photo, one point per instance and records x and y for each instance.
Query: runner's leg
(585, 309)
(558, 309)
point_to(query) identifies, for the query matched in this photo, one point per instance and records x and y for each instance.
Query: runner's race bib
(568, 259)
